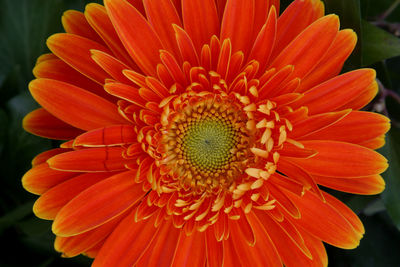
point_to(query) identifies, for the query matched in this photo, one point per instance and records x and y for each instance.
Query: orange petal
(107, 136)
(190, 250)
(286, 183)
(87, 210)
(263, 253)
(287, 241)
(127, 242)
(42, 123)
(125, 92)
(50, 203)
(214, 249)
(195, 13)
(297, 173)
(54, 96)
(111, 65)
(57, 69)
(74, 245)
(44, 156)
(237, 24)
(231, 256)
(102, 159)
(317, 249)
(162, 14)
(290, 150)
(162, 249)
(341, 159)
(41, 178)
(75, 51)
(357, 127)
(261, 11)
(368, 185)
(336, 92)
(136, 34)
(186, 46)
(325, 222)
(295, 18)
(173, 67)
(224, 58)
(265, 40)
(332, 62)
(309, 47)
(314, 124)
(363, 98)
(374, 143)
(45, 57)
(75, 22)
(98, 19)
(346, 212)
(92, 252)
(275, 81)
(283, 200)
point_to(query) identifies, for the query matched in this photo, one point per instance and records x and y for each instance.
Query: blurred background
(24, 28)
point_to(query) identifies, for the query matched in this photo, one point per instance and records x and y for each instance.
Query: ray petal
(41, 178)
(50, 203)
(214, 249)
(295, 18)
(341, 159)
(336, 92)
(195, 13)
(332, 62)
(75, 51)
(136, 34)
(162, 14)
(75, 22)
(309, 47)
(107, 136)
(162, 249)
(265, 40)
(57, 69)
(127, 242)
(286, 242)
(356, 127)
(367, 185)
(99, 20)
(75, 218)
(54, 95)
(102, 159)
(237, 23)
(325, 222)
(111, 65)
(74, 245)
(42, 123)
(190, 250)
(316, 123)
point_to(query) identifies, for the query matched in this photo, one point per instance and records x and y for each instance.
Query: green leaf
(376, 248)
(377, 44)
(391, 195)
(373, 9)
(16, 215)
(24, 27)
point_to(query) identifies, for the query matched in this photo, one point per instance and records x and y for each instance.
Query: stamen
(206, 144)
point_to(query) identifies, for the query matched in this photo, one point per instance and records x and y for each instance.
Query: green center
(207, 143)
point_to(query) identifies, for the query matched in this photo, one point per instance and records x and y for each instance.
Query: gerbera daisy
(198, 133)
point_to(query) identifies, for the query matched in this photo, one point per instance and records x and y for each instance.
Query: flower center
(206, 145)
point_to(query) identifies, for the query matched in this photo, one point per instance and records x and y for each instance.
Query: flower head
(199, 132)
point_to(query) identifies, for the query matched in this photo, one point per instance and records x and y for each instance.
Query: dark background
(24, 27)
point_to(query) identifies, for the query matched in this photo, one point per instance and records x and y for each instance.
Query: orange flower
(199, 131)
